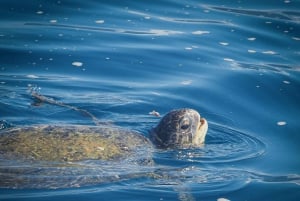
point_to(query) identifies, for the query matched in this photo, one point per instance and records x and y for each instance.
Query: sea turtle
(180, 128)
(66, 144)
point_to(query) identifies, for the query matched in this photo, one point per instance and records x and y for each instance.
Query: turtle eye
(184, 124)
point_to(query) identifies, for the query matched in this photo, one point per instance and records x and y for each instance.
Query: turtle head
(180, 128)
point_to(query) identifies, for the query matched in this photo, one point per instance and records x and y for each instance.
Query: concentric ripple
(224, 144)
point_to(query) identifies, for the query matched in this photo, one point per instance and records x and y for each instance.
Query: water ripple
(159, 32)
(223, 145)
(163, 179)
(280, 15)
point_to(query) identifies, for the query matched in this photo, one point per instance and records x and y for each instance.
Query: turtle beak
(201, 133)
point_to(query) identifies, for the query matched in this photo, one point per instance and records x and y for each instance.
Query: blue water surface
(236, 62)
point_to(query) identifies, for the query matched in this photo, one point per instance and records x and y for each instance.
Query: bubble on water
(77, 63)
(281, 123)
(286, 82)
(53, 21)
(228, 59)
(269, 52)
(99, 21)
(251, 51)
(200, 32)
(222, 199)
(32, 76)
(295, 38)
(252, 39)
(160, 32)
(186, 82)
(40, 12)
(224, 43)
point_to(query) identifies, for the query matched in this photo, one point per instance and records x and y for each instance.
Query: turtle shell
(45, 156)
(70, 143)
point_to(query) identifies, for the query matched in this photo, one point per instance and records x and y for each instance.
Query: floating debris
(154, 113)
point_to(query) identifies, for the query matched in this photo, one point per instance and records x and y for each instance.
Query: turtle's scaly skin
(70, 143)
(182, 128)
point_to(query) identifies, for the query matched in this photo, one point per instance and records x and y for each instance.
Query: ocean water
(236, 62)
